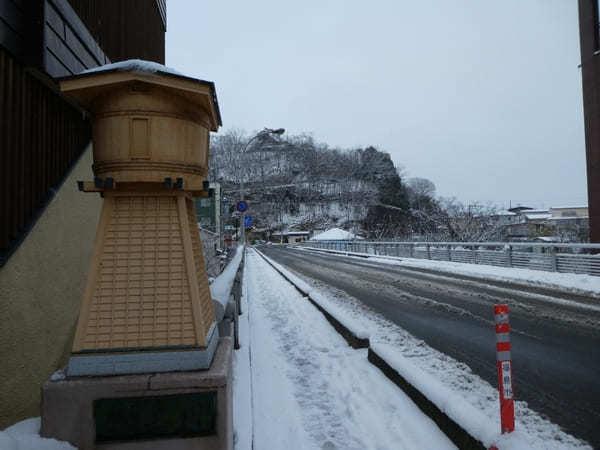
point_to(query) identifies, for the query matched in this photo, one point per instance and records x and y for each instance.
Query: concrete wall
(41, 287)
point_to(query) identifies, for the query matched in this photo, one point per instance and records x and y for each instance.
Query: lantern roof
(90, 84)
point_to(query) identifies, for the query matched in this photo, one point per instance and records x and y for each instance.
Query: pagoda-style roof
(87, 86)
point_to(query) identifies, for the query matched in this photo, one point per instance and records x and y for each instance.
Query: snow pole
(504, 361)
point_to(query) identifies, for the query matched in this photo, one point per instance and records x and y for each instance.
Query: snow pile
(220, 289)
(576, 283)
(455, 406)
(572, 282)
(334, 234)
(135, 65)
(25, 435)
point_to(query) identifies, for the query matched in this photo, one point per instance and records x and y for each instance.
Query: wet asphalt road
(555, 347)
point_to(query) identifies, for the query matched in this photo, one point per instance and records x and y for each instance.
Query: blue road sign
(241, 206)
(247, 221)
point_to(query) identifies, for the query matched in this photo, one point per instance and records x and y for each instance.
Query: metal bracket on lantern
(98, 185)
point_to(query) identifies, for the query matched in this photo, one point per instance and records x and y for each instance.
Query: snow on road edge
(575, 283)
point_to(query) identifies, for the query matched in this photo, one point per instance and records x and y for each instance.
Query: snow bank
(334, 234)
(474, 421)
(576, 283)
(135, 65)
(25, 435)
(572, 282)
(220, 289)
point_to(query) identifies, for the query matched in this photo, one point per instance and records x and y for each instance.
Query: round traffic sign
(241, 206)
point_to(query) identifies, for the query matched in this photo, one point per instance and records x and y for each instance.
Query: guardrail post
(474, 254)
(553, 259)
(428, 251)
(449, 250)
(504, 362)
(411, 249)
(508, 251)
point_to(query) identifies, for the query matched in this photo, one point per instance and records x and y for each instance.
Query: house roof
(292, 233)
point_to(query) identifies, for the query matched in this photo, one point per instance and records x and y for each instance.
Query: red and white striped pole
(505, 386)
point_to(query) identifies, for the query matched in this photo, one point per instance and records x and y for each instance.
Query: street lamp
(264, 132)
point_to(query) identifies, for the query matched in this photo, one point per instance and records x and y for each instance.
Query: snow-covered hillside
(295, 183)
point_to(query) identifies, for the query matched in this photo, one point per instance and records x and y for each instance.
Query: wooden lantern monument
(147, 304)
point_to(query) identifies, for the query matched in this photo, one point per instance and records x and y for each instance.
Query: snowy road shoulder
(570, 282)
(306, 387)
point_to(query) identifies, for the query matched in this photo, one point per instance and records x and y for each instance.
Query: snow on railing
(569, 258)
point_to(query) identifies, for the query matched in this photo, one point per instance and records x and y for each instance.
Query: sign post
(504, 361)
(242, 207)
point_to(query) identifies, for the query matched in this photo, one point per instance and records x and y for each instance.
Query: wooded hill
(295, 183)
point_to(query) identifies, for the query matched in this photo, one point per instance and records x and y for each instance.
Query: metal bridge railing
(568, 258)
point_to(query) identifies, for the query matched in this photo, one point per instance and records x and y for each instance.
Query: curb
(457, 434)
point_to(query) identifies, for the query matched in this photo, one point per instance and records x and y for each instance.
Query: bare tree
(421, 187)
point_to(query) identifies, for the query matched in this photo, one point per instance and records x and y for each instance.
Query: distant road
(555, 346)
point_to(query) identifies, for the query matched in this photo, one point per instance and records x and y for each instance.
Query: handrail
(551, 257)
(470, 244)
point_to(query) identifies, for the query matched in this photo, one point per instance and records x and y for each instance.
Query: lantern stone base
(98, 364)
(176, 410)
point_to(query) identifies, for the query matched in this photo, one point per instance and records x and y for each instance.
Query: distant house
(557, 224)
(527, 223)
(570, 223)
(209, 210)
(569, 211)
(290, 237)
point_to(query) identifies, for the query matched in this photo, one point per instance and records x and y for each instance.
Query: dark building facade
(41, 134)
(589, 35)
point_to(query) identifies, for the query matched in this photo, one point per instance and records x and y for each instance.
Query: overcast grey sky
(483, 97)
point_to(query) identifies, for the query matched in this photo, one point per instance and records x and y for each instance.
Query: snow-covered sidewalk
(297, 383)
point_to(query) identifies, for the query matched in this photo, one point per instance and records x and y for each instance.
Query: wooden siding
(69, 48)
(132, 29)
(20, 29)
(41, 136)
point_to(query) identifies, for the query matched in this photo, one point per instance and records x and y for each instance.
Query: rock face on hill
(294, 183)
